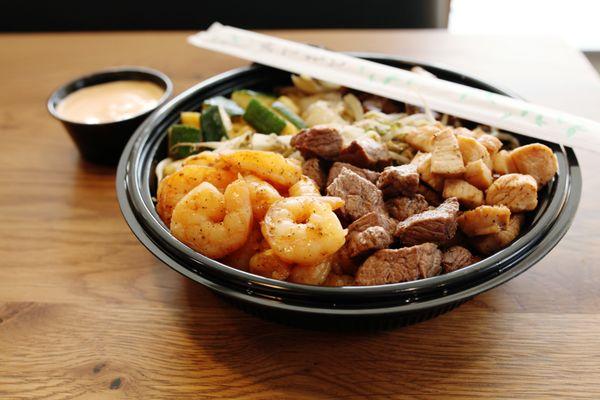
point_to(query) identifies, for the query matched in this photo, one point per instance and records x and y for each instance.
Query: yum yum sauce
(109, 102)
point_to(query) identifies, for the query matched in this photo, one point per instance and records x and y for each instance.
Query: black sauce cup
(352, 307)
(102, 143)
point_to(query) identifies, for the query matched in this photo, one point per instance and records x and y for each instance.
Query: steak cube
(372, 231)
(399, 181)
(312, 169)
(366, 153)
(360, 196)
(319, 141)
(455, 258)
(400, 265)
(437, 225)
(403, 207)
(336, 168)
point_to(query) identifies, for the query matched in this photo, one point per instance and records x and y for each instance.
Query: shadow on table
(270, 356)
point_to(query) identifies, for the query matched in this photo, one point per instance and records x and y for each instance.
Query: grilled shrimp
(267, 264)
(304, 230)
(311, 274)
(240, 258)
(206, 158)
(304, 187)
(262, 195)
(267, 165)
(213, 223)
(172, 188)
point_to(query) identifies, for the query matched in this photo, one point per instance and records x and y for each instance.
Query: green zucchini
(229, 105)
(216, 124)
(288, 114)
(179, 137)
(243, 97)
(190, 118)
(262, 118)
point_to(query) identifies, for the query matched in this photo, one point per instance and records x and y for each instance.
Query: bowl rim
(510, 256)
(56, 96)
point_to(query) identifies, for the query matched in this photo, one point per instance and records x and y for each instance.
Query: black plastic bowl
(326, 307)
(103, 143)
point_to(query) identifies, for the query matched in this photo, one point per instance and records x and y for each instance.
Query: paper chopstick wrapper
(443, 96)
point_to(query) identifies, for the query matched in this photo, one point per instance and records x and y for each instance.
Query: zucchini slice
(216, 124)
(190, 118)
(288, 114)
(243, 97)
(262, 118)
(182, 139)
(233, 110)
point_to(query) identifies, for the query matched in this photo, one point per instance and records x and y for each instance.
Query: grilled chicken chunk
(471, 150)
(536, 160)
(467, 194)
(489, 244)
(446, 158)
(423, 161)
(516, 191)
(422, 138)
(478, 174)
(484, 220)
(491, 143)
(503, 163)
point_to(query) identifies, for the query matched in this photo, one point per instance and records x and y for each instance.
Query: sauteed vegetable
(321, 185)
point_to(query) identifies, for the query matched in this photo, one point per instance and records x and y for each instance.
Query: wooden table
(87, 312)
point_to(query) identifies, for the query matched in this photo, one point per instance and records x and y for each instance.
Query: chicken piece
(422, 139)
(484, 220)
(503, 164)
(536, 160)
(478, 174)
(516, 191)
(424, 169)
(489, 244)
(446, 158)
(490, 142)
(471, 150)
(467, 194)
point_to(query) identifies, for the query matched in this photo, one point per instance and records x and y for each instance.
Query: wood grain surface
(87, 313)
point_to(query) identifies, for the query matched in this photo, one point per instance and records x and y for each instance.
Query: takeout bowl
(369, 307)
(102, 143)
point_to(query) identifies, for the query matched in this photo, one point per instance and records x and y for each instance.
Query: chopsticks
(477, 105)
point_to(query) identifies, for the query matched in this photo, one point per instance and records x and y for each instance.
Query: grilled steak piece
(403, 207)
(372, 231)
(400, 265)
(336, 168)
(437, 225)
(399, 181)
(456, 257)
(312, 169)
(360, 196)
(319, 141)
(430, 195)
(366, 153)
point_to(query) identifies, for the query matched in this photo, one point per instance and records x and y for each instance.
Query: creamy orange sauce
(109, 102)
